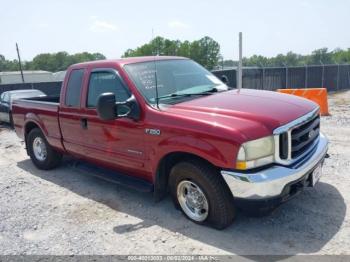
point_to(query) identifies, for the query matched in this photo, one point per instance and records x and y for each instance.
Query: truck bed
(41, 110)
(49, 99)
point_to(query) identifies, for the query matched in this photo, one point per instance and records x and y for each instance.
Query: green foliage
(228, 63)
(205, 51)
(7, 65)
(50, 62)
(317, 57)
(341, 56)
(61, 60)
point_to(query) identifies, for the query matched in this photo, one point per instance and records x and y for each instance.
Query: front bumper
(272, 182)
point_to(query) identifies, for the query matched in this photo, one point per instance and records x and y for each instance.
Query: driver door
(117, 143)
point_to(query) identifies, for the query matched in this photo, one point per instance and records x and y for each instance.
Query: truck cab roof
(125, 61)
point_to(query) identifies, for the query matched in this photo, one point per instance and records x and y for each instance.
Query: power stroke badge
(153, 132)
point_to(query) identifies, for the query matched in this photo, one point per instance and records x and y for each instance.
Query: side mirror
(129, 108)
(109, 109)
(225, 80)
(106, 106)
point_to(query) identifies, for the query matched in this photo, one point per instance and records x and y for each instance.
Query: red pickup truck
(166, 124)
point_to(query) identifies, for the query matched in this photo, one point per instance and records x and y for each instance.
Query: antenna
(240, 62)
(155, 71)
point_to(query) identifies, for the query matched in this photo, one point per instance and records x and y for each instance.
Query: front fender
(217, 152)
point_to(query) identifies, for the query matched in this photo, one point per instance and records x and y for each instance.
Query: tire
(206, 183)
(11, 120)
(49, 158)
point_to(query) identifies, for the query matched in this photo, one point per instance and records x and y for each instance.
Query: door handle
(84, 123)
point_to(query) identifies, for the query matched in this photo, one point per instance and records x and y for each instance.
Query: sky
(111, 27)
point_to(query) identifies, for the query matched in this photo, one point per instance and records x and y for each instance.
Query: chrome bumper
(271, 181)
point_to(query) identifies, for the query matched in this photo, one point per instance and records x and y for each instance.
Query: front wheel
(192, 200)
(201, 194)
(41, 153)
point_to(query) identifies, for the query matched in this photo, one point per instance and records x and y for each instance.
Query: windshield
(176, 79)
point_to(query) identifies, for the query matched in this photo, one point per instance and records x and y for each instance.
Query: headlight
(256, 153)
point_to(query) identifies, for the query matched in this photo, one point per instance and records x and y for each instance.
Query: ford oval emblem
(312, 133)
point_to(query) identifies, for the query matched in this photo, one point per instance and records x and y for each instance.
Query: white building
(59, 76)
(29, 77)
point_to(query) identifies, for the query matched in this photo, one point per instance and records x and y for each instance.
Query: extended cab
(167, 124)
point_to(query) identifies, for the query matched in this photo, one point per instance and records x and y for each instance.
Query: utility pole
(20, 63)
(322, 79)
(306, 76)
(240, 63)
(286, 66)
(338, 74)
(263, 75)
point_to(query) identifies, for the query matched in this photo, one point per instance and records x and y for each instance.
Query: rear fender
(32, 118)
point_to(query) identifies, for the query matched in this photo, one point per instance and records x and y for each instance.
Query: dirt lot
(65, 211)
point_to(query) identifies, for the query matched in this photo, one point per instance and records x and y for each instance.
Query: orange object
(317, 95)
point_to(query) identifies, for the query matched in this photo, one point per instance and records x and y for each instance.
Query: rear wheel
(201, 194)
(41, 153)
(11, 120)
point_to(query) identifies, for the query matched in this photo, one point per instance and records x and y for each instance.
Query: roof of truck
(131, 60)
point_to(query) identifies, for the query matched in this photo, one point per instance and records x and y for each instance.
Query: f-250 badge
(153, 132)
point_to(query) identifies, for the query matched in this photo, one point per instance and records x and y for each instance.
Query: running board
(114, 177)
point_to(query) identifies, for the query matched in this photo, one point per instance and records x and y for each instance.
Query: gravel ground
(66, 211)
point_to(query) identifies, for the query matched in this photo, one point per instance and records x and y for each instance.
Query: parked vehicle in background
(166, 124)
(7, 98)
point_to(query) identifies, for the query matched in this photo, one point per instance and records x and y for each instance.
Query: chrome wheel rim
(39, 149)
(192, 200)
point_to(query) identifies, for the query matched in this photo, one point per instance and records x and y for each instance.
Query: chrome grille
(303, 136)
(297, 138)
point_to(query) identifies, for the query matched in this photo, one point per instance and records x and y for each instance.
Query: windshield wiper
(210, 91)
(175, 95)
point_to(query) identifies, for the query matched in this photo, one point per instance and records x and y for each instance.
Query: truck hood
(238, 108)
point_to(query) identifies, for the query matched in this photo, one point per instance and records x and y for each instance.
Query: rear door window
(74, 87)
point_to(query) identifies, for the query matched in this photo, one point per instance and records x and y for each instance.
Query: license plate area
(316, 174)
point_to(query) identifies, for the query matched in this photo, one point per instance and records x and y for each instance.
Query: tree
(205, 51)
(341, 56)
(208, 52)
(230, 63)
(8, 65)
(61, 60)
(321, 56)
(185, 49)
(2, 63)
(255, 60)
(293, 59)
(317, 57)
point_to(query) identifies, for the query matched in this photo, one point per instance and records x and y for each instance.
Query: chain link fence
(332, 77)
